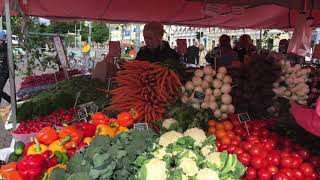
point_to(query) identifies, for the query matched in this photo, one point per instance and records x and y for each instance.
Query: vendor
(307, 118)
(246, 47)
(156, 50)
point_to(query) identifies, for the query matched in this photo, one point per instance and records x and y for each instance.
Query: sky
(44, 21)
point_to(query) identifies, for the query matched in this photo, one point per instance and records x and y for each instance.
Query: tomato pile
(224, 132)
(56, 118)
(267, 155)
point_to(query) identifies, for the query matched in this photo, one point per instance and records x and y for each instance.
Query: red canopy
(180, 12)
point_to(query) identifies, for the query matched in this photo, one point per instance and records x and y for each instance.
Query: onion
(214, 72)
(197, 81)
(288, 93)
(217, 83)
(205, 85)
(226, 88)
(208, 78)
(224, 108)
(212, 98)
(213, 105)
(208, 70)
(227, 79)
(204, 105)
(207, 97)
(217, 92)
(224, 116)
(196, 106)
(198, 88)
(217, 113)
(231, 109)
(208, 92)
(220, 76)
(226, 99)
(222, 70)
(189, 86)
(199, 73)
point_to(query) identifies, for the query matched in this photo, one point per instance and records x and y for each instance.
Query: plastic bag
(300, 44)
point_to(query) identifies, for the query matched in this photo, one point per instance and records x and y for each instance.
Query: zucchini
(18, 148)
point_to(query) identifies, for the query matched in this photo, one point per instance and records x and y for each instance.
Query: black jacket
(158, 55)
(193, 55)
(4, 69)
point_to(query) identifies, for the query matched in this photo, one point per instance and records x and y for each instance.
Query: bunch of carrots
(145, 87)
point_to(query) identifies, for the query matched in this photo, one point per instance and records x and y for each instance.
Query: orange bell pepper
(9, 172)
(105, 130)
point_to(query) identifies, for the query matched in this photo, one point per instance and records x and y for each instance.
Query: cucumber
(13, 157)
(18, 148)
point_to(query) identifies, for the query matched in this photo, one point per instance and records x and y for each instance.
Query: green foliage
(109, 158)
(62, 95)
(100, 33)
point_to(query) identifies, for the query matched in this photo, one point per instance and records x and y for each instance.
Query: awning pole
(10, 64)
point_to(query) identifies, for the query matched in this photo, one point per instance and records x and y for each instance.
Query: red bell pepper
(70, 136)
(125, 119)
(47, 135)
(88, 129)
(50, 157)
(100, 118)
(32, 167)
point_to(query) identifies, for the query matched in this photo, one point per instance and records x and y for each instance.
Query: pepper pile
(145, 87)
(52, 148)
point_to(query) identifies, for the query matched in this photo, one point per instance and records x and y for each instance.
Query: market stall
(158, 122)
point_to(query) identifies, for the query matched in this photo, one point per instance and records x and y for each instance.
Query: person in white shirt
(202, 56)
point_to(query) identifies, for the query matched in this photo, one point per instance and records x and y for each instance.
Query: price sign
(82, 114)
(90, 107)
(93, 108)
(141, 126)
(244, 117)
(199, 95)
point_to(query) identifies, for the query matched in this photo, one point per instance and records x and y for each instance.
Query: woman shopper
(4, 69)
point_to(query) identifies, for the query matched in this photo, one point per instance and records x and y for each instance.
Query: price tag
(82, 114)
(199, 95)
(94, 108)
(244, 117)
(141, 126)
(90, 107)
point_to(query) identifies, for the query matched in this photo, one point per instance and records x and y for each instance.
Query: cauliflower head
(155, 169)
(189, 166)
(169, 123)
(216, 160)
(197, 134)
(160, 153)
(207, 174)
(169, 138)
(189, 154)
(207, 149)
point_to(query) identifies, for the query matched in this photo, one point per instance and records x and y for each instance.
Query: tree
(100, 33)
(62, 27)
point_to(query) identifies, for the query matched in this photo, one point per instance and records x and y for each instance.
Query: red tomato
(251, 173)
(255, 150)
(314, 175)
(288, 172)
(296, 162)
(280, 176)
(244, 158)
(235, 122)
(272, 169)
(231, 149)
(307, 169)
(238, 151)
(265, 133)
(223, 147)
(258, 162)
(247, 145)
(268, 145)
(264, 174)
(286, 162)
(298, 174)
(304, 153)
(235, 142)
(284, 154)
(287, 142)
(315, 161)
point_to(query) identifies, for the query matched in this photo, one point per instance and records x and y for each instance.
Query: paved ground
(5, 136)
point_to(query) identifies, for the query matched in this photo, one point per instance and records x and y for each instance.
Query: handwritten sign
(243, 117)
(114, 48)
(316, 52)
(182, 46)
(199, 95)
(90, 107)
(141, 126)
(82, 114)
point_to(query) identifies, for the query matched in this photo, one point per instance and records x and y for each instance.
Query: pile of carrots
(145, 87)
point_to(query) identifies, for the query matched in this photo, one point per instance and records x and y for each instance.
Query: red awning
(179, 12)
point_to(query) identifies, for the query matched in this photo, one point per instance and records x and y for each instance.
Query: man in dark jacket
(4, 69)
(193, 53)
(156, 50)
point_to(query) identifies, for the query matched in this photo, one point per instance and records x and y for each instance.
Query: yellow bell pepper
(87, 140)
(122, 129)
(49, 171)
(55, 146)
(105, 130)
(37, 148)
